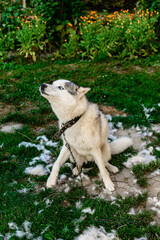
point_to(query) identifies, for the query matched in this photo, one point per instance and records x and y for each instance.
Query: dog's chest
(77, 140)
(73, 137)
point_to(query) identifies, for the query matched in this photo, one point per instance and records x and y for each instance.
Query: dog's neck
(67, 112)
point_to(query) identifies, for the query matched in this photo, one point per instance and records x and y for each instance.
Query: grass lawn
(27, 209)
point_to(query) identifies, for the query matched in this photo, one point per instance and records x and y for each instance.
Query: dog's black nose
(43, 86)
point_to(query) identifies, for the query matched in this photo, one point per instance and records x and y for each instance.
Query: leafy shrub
(152, 5)
(119, 34)
(31, 38)
(11, 13)
(140, 35)
(7, 43)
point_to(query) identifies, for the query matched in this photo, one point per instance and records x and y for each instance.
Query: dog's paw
(114, 169)
(75, 171)
(109, 186)
(50, 183)
(111, 168)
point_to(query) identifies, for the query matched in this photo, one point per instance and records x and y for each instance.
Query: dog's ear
(82, 91)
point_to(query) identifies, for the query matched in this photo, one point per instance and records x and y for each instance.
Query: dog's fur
(88, 136)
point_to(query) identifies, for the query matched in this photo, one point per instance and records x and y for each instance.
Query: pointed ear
(82, 91)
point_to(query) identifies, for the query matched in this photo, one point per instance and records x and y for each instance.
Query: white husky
(87, 138)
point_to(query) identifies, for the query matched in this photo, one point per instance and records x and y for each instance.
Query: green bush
(10, 16)
(152, 5)
(119, 34)
(7, 43)
(31, 38)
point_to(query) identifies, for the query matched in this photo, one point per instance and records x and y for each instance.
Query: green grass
(124, 91)
(127, 89)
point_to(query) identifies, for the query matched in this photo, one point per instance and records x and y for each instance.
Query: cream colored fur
(87, 137)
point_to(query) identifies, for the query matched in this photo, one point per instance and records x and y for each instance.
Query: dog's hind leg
(97, 155)
(62, 158)
(106, 152)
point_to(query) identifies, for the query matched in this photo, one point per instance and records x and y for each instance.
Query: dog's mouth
(43, 91)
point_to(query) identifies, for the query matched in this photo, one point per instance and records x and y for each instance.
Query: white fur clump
(111, 127)
(155, 173)
(88, 210)
(147, 111)
(143, 157)
(156, 128)
(154, 204)
(141, 238)
(143, 131)
(78, 205)
(93, 233)
(131, 211)
(1, 145)
(38, 170)
(45, 156)
(158, 149)
(23, 190)
(22, 231)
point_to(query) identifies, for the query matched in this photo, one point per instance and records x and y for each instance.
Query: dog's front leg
(62, 158)
(97, 155)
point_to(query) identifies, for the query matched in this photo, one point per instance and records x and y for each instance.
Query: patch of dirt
(27, 106)
(72, 66)
(120, 70)
(111, 110)
(125, 185)
(6, 108)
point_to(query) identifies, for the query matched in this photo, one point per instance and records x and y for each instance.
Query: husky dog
(87, 138)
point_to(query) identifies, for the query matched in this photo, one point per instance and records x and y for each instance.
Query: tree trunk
(24, 3)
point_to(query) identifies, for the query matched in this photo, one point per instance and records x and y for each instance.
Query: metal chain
(65, 126)
(69, 148)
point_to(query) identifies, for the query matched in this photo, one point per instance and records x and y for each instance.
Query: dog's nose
(43, 86)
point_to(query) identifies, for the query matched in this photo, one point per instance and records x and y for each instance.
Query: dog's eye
(61, 88)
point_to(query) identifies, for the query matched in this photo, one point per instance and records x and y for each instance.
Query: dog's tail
(121, 144)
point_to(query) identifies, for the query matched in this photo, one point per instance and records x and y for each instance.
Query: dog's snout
(43, 86)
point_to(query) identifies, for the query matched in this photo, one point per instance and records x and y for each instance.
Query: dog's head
(63, 91)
